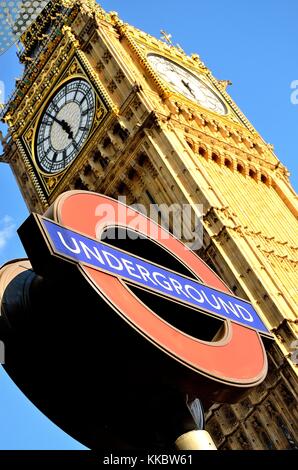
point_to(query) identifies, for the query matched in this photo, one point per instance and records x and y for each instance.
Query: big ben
(105, 107)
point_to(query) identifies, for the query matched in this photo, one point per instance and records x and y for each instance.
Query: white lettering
(75, 250)
(241, 310)
(145, 274)
(199, 299)
(123, 461)
(130, 268)
(229, 307)
(88, 251)
(109, 257)
(217, 306)
(178, 287)
(166, 285)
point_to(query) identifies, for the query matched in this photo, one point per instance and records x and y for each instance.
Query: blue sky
(254, 44)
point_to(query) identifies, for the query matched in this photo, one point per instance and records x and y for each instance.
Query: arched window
(190, 144)
(215, 158)
(202, 152)
(265, 179)
(80, 185)
(228, 163)
(142, 159)
(121, 188)
(132, 173)
(253, 174)
(107, 142)
(121, 131)
(240, 169)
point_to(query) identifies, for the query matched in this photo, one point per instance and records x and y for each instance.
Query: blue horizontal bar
(145, 274)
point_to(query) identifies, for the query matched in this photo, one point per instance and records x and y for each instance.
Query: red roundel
(237, 358)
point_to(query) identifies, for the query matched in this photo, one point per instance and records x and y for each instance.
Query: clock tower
(103, 106)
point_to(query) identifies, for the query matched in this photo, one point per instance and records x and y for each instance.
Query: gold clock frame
(103, 108)
(98, 110)
(142, 44)
(200, 76)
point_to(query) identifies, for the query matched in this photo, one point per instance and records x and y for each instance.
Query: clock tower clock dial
(186, 83)
(64, 126)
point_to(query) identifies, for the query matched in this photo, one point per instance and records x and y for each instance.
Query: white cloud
(7, 230)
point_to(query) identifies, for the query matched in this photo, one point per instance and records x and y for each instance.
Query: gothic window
(252, 173)
(215, 158)
(80, 185)
(98, 157)
(202, 152)
(142, 159)
(228, 164)
(121, 131)
(265, 179)
(240, 169)
(87, 170)
(107, 142)
(190, 144)
(121, 188)
(132, 174)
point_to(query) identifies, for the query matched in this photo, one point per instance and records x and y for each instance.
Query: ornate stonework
(153, 144)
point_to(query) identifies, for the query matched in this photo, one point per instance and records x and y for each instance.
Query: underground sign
(73, 229)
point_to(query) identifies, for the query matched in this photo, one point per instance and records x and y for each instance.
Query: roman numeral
(53, 161)
(44, 156)
(75, 145)
(49, 114)
(77, 90)
(42, 141)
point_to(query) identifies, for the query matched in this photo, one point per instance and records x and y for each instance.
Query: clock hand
(65, 126)
(187, 85)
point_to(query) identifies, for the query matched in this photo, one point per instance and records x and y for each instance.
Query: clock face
(186, 83)
(65, 125)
